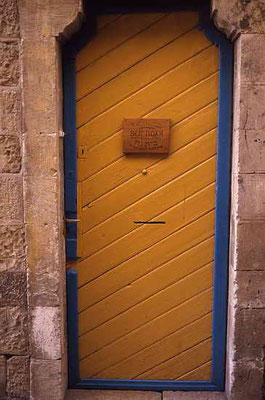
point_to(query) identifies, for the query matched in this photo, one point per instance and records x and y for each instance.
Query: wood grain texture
(145, 289)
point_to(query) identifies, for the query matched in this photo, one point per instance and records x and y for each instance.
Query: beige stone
(251, 249)
(41, 150)
(12, 248)
(41, 205)
(249, 329)
(253, 58)
(18, 377)
(249, 381)
(10, 156)
(11, 198)
(251, 151)
(250, 290)
(10, 112)
(9, 22)
(251, 204)
(194, 396)
(13, 289)
(46, 278)
(13, 331)
(236, 16)
(46, 382)
(46, 333)
(111, 395)
(2, 376)
(9, 64)
(251, 114)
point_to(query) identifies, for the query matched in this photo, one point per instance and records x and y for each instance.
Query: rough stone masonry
(33, 361)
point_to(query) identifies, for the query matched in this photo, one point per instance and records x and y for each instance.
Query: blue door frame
(220, 286)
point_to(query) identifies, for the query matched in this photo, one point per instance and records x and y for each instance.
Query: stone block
(41, 154)
(12, 248)
(45, 278)
(251, 115)
(252, 58)
(251, 249)
(13, 289)
(10, 156)
(251, 195)
(250, 292)
(10, 112)
(248, 381)
(194, 396)
(239, 16)
(46, 381)
(46, 333)
(18, 378)
(9, 22)
(2, 376)
(13, 331)
(251, 151)
(112, 395)
(11, 198)
(249, 329)
(41, 200)
(9, 64)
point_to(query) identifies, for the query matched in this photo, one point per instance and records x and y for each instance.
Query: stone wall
(32, 264)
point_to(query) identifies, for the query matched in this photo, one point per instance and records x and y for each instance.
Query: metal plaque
(143, 135)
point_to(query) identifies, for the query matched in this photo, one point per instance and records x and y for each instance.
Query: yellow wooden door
(145, 291)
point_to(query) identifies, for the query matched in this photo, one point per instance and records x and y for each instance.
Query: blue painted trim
(70, 154)
(72, 327)
(221, 234)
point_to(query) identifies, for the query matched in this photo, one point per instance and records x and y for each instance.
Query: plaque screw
(144, 171)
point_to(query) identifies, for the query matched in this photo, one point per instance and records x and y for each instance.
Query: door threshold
(77, 394)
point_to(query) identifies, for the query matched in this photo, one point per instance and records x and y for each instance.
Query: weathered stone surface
(236, 16)
(2, 376)
(10, 112)
(46, 333)
(45, 279)
(193, 396)
(251, 113)
(13, 331)
(251, 249)
(41, 200)
(9, 22)
(253, 58)
(10, 157)
(9, 64)
(249, 329)
(252, 151)
(248, 381)
(42, 152)
(11, 198)
(13, 289)
(250, 292)
(251, 204)
(18, 377)
(112, 395)
(46, 382)
(12, 248)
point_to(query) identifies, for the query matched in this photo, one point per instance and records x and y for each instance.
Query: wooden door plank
(202, 373)
(146, 101)
(140, 75)
(149, 345)
(182, 363)
(149, 207)
(113, 35)
(133, 50)
(105, 19)
(155, 256)
(134, 289)
(182, 133)
(142, 312)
